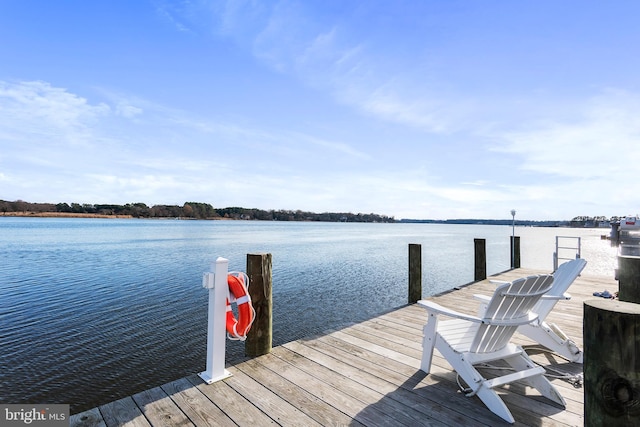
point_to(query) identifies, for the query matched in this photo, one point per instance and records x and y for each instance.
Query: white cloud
(128, 111)
(163, 152)
(38, 108)
(329, 56)
(600, 143)
(338, 148)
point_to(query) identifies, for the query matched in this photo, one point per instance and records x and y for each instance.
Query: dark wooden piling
(611, 363)
(515, 251)
(480, 257)
(629, 279)
(415, 272)
(260, 338)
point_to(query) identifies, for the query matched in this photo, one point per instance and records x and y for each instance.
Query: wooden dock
(366, 374)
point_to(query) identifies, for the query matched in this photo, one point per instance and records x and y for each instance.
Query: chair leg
(428, 342)
(521, 362)
(476, 382)
(545, 335)
(495, 404)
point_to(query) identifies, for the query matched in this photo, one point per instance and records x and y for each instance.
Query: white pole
(216, 319)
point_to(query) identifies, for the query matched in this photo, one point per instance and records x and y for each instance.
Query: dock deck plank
(160, 409)
(363, 374)
(195, 405)
(123, 412)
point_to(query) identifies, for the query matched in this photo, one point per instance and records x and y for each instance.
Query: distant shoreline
(30, 214)
(519, 223)
(190, 210)
(63, 215)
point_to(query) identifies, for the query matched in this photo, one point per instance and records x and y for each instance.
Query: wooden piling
(260, 337)
(415, 273)
(611, 363)
(515, 251)
(629, 279)
(480, 257)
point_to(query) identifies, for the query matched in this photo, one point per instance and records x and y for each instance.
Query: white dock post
(216, 336)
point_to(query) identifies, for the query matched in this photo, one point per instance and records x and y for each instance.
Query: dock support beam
(415, 273)
(260, 337)
(629, 278)
(480, 258)
(611, 363)
(216, 282)
(515, 251)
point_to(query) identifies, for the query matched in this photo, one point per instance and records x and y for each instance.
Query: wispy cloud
(599, 141)
(328, 56)
(36, 107)
(131, 146)
(177, 14)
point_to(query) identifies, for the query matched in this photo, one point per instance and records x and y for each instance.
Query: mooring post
(260, 337)
(216, 282)
(515, 251)
(480, 257)
(629, 278)
(611, 363)
(415, 273)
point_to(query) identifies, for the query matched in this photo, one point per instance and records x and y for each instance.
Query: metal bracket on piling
(216, 282)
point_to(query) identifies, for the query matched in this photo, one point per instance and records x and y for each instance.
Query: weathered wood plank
(239, 409)
(295, 389)
(281, 411)
(90, 418)
(200, 410)
(159, 409)
(124, 413)
(442, 390)
(369, 403)
(408, 385)
(377, 376)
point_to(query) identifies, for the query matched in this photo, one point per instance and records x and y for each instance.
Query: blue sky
(413, 109)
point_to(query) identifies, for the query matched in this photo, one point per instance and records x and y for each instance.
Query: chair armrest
(482, 298)
(484, 303)
(436, 308)
(497, 282)
(565, 296)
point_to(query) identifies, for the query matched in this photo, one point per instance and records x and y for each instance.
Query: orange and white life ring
(238, 293)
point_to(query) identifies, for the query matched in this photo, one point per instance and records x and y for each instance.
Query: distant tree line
(578, 221)
(592, 221)
(191, 210)
(518, 222)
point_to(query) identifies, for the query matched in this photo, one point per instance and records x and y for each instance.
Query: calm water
(92, 310)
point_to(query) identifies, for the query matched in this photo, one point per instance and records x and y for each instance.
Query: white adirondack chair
(468, 340)
(549, 334)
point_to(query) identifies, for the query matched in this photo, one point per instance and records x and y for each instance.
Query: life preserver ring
(237, 329)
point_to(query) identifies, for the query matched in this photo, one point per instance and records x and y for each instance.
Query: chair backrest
(563, 277)
(510, 302)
